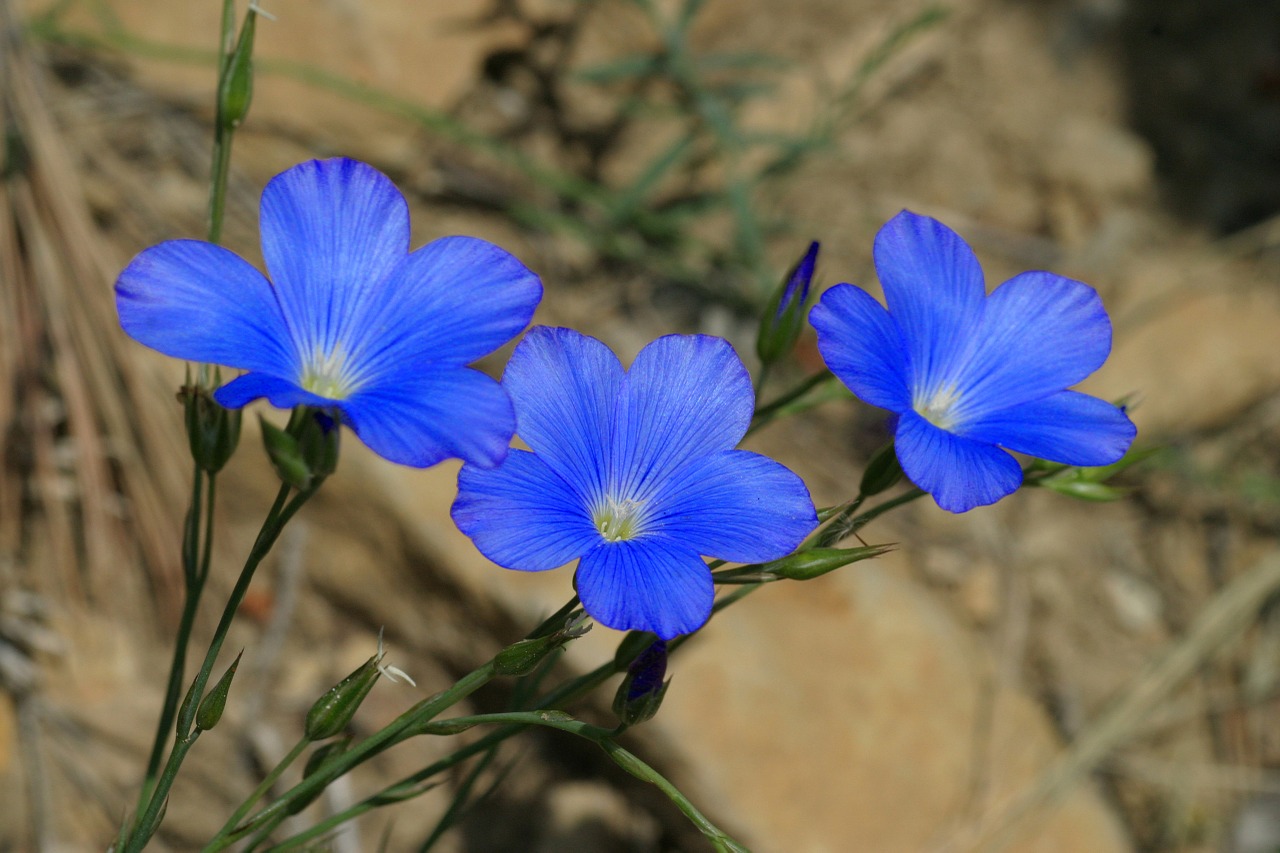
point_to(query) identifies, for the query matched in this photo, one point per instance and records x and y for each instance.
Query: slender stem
(265, 786)
(768, 412)
(413, 784)
(406, 725)
(631, 763)
(222, 136)
(194, 584)
(621, 756)
(276, 519)
(761, 379)
(218, 182)
(149, 819)
(456, 809)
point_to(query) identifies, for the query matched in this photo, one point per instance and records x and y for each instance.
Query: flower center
(618, 519)
(326, 376)
(938, 408)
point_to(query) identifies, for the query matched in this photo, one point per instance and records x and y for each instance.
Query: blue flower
(635, 473)
(966, 373)
(351, 319)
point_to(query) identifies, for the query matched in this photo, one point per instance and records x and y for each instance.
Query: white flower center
(326, 375)
(939, 407)
(618, 519)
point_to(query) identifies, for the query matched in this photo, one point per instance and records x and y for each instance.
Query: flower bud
(318, 440)
(212, 431)
(333, 711)
(211, 706)
(882, 472)
(642, 690)
(816, 562)
(522, 657)
(1084, 490)
(285, 455)
(784, 318)
(235, 89)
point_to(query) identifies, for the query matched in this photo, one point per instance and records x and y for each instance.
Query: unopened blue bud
(642, 690)
(784, 318)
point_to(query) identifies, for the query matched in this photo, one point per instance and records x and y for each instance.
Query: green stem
(847, 523)
(218, 182)
(222, 136)
(265, 786)
(276, 519)
(149, 820)
(768, 412)
(624, 758)
(405, 726)
(413, 785)
(765, 370)
(194, 585)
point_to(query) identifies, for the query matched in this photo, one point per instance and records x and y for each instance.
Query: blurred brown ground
(896, 706)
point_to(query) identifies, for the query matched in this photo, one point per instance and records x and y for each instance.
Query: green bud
(318, 435)
(522, 657)
(211, 706)
(783, 319)
(816, 562)
(1084, 490)
(333, 711)
(882, 472)
(285, 455)
(212, 431)
(235, 89)
(641, 692)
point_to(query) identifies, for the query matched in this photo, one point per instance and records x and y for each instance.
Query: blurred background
(1043, 675)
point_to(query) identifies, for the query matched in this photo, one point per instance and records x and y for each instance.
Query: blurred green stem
(195, 569)
(768, 412)
(281, 512)
(406, 725)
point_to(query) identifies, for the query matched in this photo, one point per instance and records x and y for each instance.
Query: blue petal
(194, 300)
(564, 386)
(960, 473)
(1040, 333)
(281, 393)
(332, 230)
(863, 346)
(934, 288)
(452, 301)
(1067, 427)
(685, 396)
(645, 585)
(423, 416)
(734, 505)
(522, 515)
